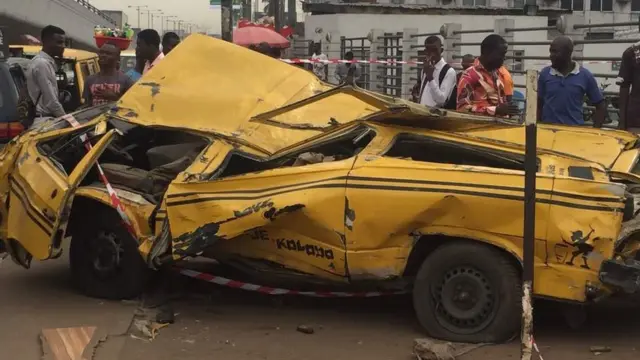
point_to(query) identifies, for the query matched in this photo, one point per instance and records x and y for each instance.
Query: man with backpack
(437, 86)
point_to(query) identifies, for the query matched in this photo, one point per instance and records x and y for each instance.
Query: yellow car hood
(213, 86)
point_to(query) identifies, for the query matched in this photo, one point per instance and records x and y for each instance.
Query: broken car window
(335, 149)
(427, 149)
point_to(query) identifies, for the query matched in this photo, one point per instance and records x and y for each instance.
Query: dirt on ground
(216, 322)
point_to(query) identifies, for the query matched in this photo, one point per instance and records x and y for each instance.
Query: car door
(396, 196)
(40, 198)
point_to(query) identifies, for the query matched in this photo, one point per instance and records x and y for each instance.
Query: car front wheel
(104, 258)
(468, 292)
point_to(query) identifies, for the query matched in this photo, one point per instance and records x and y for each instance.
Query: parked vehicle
(75, 67)
(299, 183)
(127, 60)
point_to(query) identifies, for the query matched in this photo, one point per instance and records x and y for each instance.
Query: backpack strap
(443, 73)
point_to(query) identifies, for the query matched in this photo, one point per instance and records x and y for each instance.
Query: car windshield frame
(82, 116)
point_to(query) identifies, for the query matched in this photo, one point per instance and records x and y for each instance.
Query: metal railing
(95, 10)
(391, 77)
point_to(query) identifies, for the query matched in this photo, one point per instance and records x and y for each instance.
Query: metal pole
(528, 251)
(277, 14)
(292, 19)
(246, 9)
(226, 26)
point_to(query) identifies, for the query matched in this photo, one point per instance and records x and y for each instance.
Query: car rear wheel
(466, 292)
(104, 258)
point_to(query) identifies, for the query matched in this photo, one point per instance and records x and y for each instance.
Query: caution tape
(535, 347)
(234, 284)
(400, 62)
(115, 200)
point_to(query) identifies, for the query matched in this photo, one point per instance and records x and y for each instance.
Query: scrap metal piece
(429, 349)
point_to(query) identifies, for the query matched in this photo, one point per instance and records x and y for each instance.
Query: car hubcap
(465, 301)
(107, 254)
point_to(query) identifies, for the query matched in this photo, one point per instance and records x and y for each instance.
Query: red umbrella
(254, 35)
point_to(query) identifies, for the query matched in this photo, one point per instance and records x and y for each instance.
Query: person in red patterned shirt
(486, 87)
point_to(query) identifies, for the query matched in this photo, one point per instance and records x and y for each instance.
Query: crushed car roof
(213, 86)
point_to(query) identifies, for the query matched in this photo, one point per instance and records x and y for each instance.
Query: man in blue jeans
(563, 86)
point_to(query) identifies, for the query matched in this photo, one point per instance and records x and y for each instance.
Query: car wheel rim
(465, 301)
(106, 256)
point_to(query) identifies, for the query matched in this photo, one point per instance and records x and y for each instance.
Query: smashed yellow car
(262, 167)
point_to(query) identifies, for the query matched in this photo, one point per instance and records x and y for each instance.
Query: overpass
(76, 17)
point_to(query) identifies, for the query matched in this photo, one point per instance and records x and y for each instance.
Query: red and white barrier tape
(219, 280)
(115, 200)
(400, 62)
(535, 347)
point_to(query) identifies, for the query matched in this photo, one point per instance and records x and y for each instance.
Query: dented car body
(299, 183)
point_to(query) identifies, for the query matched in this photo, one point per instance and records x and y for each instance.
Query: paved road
(232, 324)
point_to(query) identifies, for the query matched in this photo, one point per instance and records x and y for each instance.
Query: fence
(401, 51)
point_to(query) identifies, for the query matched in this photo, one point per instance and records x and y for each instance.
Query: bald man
(563, 85)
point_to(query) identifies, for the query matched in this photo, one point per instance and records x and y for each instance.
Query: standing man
(467, 62)
(629, 100)
(136, 73)
(485, 87)
(110, 83)
(148, 49)
(563, 86)
(319, 68)
(42, 83)
(438, 78)
(347, 72)
(169, 41)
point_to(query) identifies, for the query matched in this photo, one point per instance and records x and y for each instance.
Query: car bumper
(624, 276)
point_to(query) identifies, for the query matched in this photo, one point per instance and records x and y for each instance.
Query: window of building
(518, 4)
(518, 60)
(577, 5)
(601, 5)
(599, 36)
(635, 5)
(475, 2)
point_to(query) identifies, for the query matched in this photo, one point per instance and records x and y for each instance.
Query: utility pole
(226, 26)
(138, 10)
(154, 16)
(292, 18)
(529, 230)
(165, 20)
(275, 10)
(246, 9)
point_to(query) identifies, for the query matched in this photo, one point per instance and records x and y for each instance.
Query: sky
(191, 11)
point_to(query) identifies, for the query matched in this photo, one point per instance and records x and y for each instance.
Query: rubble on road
(430, 349)
(305, 329)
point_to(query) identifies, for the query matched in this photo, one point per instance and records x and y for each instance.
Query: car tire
(468, 292)
(104, 258)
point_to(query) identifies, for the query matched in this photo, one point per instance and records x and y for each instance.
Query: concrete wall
(29, 16)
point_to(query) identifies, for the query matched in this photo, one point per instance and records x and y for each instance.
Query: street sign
(215, 4)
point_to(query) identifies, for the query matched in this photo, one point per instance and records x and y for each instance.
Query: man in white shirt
(438, 78)
(319, 68)
(148, 49)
